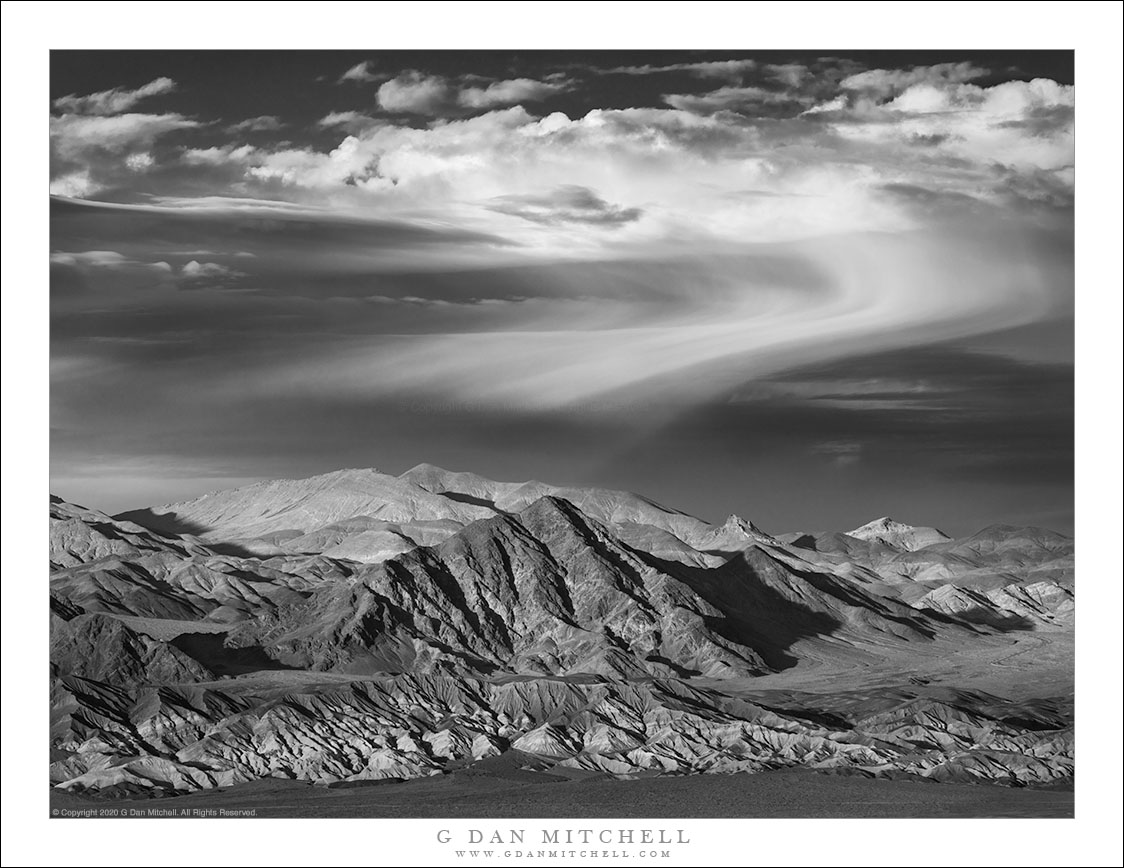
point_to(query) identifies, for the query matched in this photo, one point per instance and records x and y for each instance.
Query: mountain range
(361, 626)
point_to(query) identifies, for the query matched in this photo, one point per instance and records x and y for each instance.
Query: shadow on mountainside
(210, 650)
(1004, 622)
(170, 525)
(754, 614)
(472, 500)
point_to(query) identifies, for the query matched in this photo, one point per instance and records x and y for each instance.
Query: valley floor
(499, 792)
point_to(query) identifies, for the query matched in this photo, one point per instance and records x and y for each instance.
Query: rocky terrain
(358, 627)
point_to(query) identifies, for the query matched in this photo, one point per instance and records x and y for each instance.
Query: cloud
(92, 152)
(260, 124)
(569, 204)
(930, 155)
(884, 83)
(96, 258)
(792, 75)
(218, 155)
(971, 414)
(986, 126)
(108, 274)
(287, 247)
(140, 161)
(843, 453)
(75, 136)
(413, 92)
(76, 185)
(510, 92)
(412, 273)
(115, 101)
(699, 326)
(731, 69)
(349, 121)
(732, 98)
(812, 174)
(361, 72)
(208, 272)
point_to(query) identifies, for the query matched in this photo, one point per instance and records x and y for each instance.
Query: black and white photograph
(544, 449)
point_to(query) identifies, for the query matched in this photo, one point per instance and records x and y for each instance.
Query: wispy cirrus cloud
(114, 101)
(74, 136)
(729, 69)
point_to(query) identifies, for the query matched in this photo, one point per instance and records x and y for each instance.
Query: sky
(808, 288)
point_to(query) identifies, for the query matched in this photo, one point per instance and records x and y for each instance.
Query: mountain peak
(895, 534)
(423, 469)
(883, 523)
(737, 523)
(550, 505)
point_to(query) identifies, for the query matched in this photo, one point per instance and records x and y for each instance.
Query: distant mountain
(897, 535)
(551, 591)
(990, 559)
(601, 504)
(305, 505)
(370, 516)
(79, 535)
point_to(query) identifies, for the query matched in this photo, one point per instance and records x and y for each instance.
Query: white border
(1093, 29)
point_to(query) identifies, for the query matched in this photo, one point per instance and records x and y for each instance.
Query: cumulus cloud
(115, 101)
(74, 185)
(89, 134)
(811, 173)
(939, 150)
(218, 155)
(510, 92)
(208, 272)
(140, 161)
(414, 92)
(987, 126)
(92, 152)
